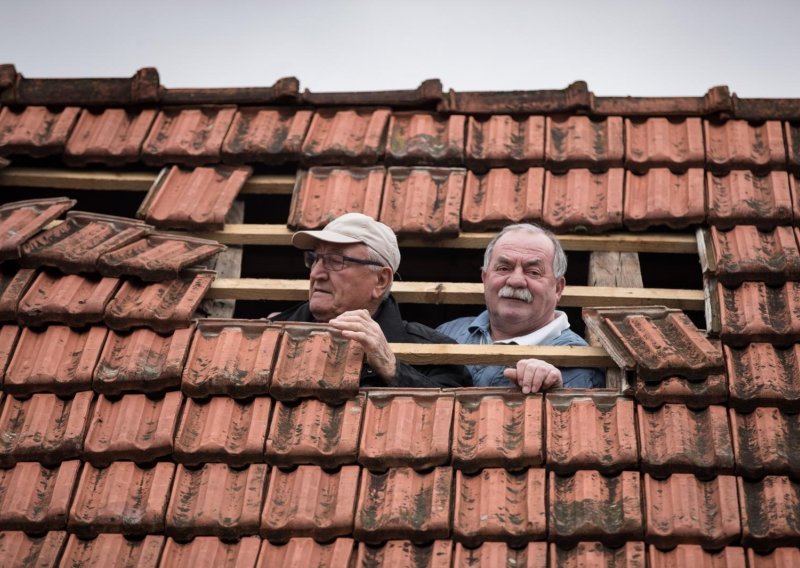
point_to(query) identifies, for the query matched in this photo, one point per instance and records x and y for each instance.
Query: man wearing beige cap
(353, 261)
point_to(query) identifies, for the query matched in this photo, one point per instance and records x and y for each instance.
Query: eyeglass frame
(310, 258)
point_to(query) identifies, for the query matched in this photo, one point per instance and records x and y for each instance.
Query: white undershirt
(543, 334)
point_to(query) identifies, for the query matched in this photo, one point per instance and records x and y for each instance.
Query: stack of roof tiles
(131, 433)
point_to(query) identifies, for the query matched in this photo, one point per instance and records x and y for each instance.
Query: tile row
(308, 501)
(565, 432)
(207, 135)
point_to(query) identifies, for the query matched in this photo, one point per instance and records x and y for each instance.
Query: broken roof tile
(8, 340)
(306, 552)
(422, 138)
(770, 512)
(191, 136)
(351, 136)
(764, 375)
(581, 200)
(676, 439)
(739, 144)
(406, 429)
(133, 427)
(404, 504)
(199, 198)
(76, 244)
(504, 141)
(69, 299)
(583, 142)
(764, 441)
(113, 550)
(42, 551)
(43, 428)
(678, 390)
(694, 555)
(423, 201)
(141, 361)
(56, 359)
(589, 506)
(501, 197)
(266, 136)
(216, 500)
(744, 198)
(322, 194)
(312, 432)
(34, 498)
(748, 253)
(13, 285)
(162, 306)
(497, 430)
(630, 555)
(499, 505)
(35, 130)
(661, 197)
(222, 429)
(756, 312)
(590, 432)
(313, 361)
(659, 142)
(21, 220)
(437, 554)
(122, 497)
(533, 555)
(682, 509)
(230, 357)
(310, 502)
(211, 552)
(111, 136)
(776, 558)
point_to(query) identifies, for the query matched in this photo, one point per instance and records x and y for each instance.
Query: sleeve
(430, 376)
(577, 378)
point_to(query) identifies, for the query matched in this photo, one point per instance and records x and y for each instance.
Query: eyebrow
(506, 260)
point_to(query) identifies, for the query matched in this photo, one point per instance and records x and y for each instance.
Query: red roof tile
(113, 136)
(590, 432)
(685, 510)
(231, 357)
(497, 430)
(315, 362)
(34, 498)
(121, 498)
(663, 143)
(694, 555)
(141, 361)
(20, 549)
(222, 429)
(676, 439)
(312, 432)
(323, 194)
(70, 299)
(134, 427)
(630, 555)
(404, 504)
(747, 253)
(423, 200)
(756, 312)
(498, 505)
(43, 428)
(310, 502)
(111, 549)
(764, 375)
(35, 130)
(661, 197)
(211, 552)
(266, 136)
(21, 220)
(777, 558)
(76, 244)
(501, 197)
(588, 506)
(770, 512)
(426, 139)
(8, 340)
(13, 285)
(533, 555)
(742, 197)
(437, 554)
(739, 144)
(582, 142)
(792, 132)
(583, 200)
(678, 390)
(306, 552)
(764, 442)
(406, 429)
(505, 141)
(193, 199)
(56, 359)
(349, 136)
(191, 137)
(162, 306)
(216, 500)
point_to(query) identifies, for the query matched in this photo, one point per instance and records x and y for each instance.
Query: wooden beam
(439, 354)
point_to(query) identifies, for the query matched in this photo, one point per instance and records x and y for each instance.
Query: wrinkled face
(519, 286)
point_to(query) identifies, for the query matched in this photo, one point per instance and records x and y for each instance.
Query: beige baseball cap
(354, 228)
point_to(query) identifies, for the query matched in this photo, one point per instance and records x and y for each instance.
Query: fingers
(534, 375)
(359, 326)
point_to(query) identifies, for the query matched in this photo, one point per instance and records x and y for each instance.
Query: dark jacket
(397, 330)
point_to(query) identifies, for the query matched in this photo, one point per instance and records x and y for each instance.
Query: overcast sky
(639, 48)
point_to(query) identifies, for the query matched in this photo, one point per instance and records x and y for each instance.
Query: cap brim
(307, 240)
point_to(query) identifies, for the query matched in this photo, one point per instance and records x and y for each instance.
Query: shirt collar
(547, 333)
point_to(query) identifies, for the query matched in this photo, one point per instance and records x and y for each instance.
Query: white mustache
(516, 293)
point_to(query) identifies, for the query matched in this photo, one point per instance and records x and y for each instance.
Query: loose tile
(113, 136)
(747, 253)
(307, 552)
(266, 136)
(13, 285)
(581, 142)
(533, 555)
(661, 197)
(70, 299)
(694, 555)
(502, 140)
(347, 137)
(501, 197)
(36, 130)
(764, 441)
(664, 143)
(736, 144)
(426, 139)
(438, 554)
(755, 312)
(211, 552)
(190, 137)
(113, 550)
(581, 200)
(630, 555)
(21, 220)
(744, 198)
(764, 375)
(19, 549)
(770, 512)
(35, 498)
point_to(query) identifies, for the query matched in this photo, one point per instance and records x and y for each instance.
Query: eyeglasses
(334, 262)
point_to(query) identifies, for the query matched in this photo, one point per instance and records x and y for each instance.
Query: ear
(560, 283)
(483, 276)
(383, 282)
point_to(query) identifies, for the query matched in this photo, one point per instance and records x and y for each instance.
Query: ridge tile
(500, 197)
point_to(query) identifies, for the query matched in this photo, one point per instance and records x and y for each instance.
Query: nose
(318, 269)
(516, 279)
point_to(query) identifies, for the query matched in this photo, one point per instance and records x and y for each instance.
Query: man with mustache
(523, 279)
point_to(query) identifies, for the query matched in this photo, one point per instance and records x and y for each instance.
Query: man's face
(520, 289)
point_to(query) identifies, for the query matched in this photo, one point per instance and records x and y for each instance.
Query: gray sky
(639, 48)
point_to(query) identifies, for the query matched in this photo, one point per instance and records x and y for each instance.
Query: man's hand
(534, 375)
(359, 326)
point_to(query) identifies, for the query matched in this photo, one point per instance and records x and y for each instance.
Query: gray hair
(559, 257)
(375, 257)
